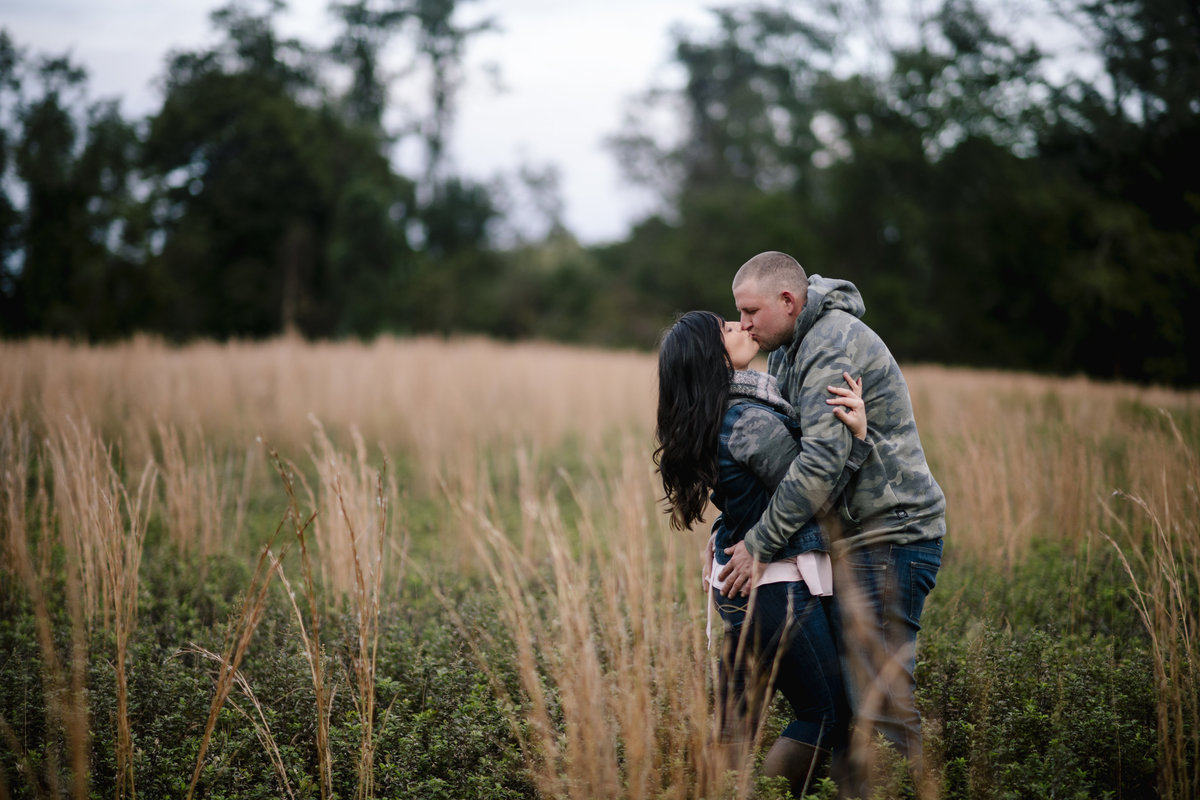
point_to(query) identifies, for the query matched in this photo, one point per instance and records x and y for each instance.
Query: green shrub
(1037, 714)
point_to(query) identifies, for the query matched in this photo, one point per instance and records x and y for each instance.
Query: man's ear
(789, 302)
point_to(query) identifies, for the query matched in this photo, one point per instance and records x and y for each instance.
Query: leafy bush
(440, 733)
(1015, 709)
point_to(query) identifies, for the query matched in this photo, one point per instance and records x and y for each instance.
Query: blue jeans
(786, 645)
(879, 593)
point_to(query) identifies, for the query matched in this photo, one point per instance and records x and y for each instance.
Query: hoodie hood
(826, 295)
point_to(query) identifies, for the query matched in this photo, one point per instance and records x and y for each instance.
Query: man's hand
(740, 574)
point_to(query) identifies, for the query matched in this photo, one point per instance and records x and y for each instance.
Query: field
(439, 569)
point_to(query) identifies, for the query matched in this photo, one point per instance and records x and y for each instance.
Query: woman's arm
(763, 445)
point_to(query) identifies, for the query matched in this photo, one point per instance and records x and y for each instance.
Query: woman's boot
(795, 761)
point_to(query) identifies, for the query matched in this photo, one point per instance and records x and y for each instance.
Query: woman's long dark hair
(694, 373)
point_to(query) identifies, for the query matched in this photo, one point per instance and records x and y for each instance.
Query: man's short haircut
(774, 272)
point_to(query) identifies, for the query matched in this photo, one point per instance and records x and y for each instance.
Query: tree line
(998, 203)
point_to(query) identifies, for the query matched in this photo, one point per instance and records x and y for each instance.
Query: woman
(725, 429)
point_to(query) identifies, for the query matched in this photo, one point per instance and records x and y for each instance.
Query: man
(886, 529)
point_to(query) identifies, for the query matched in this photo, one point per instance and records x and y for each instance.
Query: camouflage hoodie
(893, 497)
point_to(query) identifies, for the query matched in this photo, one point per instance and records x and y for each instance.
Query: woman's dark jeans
(786, 645)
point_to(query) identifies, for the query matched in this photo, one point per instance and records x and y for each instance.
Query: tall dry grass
(1023, 456)
(103, 528)
(606, 618)
(355, 548)
(63, 676)
(440, 401)
(205, 504)
(1166, 583)
(238, 636)
(597, 593)
(1018, 455)
(100, 523)
(358, 546)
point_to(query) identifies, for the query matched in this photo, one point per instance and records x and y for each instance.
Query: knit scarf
(750, 384)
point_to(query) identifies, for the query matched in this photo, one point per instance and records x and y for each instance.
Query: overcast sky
(567, 67)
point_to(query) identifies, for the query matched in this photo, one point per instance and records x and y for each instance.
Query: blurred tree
(989, 214)
(275, 211)
(54, 210)
(370, 258)
(1129, 134)
(441, 43)
(367, 29)
(456, 271)
(242, 201)
(747, 107)
(928, 195)
(740, 177)
(11, 317)
(448, 217)
(71, 243)
(1132, 127)
(438, 45)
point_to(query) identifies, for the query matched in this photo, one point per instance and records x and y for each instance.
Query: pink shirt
(813, 567)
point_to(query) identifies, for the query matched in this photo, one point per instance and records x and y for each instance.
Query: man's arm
(742, 569)
(739, 574)
(825, 447)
